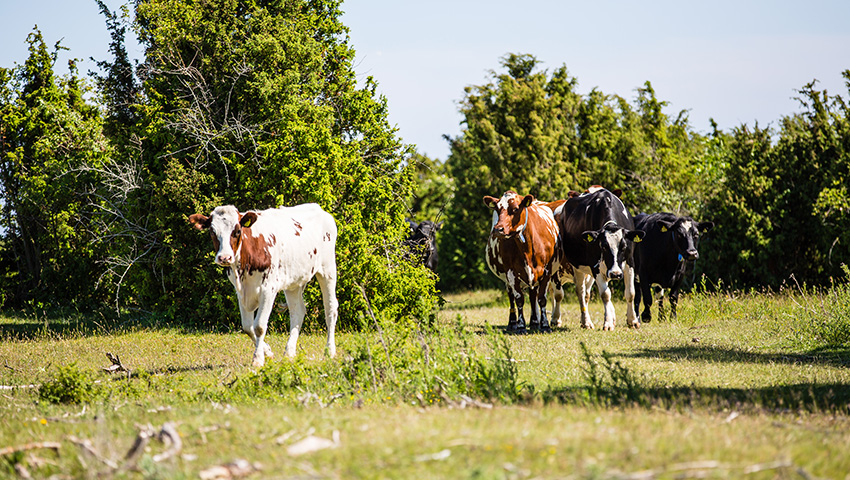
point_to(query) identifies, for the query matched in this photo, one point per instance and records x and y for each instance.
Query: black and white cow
(598, 236)
(422, 242)
(661, 259)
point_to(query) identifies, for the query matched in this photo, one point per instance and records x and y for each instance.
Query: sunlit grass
(735, 384)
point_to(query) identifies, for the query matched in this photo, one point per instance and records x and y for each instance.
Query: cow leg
(297, 310)
(556, 290)
(541, 303)
(629, 279)
(659, 294)
(328, 285)
(644, 292)
(519, 300)
(260, 327)
(674, 300)
(534, 322)
(579, 277)
(248, 322)
(605, 295)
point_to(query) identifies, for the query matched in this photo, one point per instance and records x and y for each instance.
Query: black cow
(422, 242)
(661, 259)
(598, 235)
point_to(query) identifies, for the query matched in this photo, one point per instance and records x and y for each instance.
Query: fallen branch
(86, 446)
(30, 446)
(169, 436)
(235, 469)
(116, 366)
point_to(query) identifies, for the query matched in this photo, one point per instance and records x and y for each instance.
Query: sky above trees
(736, 62)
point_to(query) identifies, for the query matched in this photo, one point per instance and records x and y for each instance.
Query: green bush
(70, 385)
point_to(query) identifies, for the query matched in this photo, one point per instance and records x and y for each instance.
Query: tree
(256, 104)
(433, 188)
(47, 133)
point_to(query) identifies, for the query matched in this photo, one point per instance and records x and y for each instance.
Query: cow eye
(235, 233)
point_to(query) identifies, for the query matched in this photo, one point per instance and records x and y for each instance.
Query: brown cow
(523, 251)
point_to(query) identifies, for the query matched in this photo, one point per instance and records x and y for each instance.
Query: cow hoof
(545, 329)
(587, 326)
(608, 328)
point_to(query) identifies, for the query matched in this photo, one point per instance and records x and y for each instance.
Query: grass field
(739, 386)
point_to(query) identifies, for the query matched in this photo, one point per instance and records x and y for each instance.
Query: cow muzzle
(224, 260)
(692, 254)
(615, 274)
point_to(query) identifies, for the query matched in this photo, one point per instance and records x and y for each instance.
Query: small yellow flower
(43, 421)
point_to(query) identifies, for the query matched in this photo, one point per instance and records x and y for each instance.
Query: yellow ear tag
(663, 229)
(638, 239)
(588, 238)
(248, 223)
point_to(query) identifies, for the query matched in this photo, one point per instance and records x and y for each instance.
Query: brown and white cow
(523, 251)
(271, 250)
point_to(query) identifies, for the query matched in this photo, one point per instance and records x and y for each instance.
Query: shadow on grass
(836, 357)
(802, 397)
(31, 325)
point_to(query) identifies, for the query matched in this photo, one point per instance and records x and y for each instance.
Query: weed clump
(70, 385)
(401, 362)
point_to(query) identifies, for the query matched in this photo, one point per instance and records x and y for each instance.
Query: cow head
(225, 225)
(509, 213)
(685, 232)
(617, 246)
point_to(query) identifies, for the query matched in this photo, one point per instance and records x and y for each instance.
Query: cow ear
(439, 225)
(635, 235)
(199, 221)
(705, 226)
(248, 219)
(665, 225)
(573, 193)
(617, 192)
(527, 201)
(589, 236)
(491, 202)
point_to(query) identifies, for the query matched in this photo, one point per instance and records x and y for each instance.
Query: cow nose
(224, 260)
(615, 275)
(693, 254)
(500, 230)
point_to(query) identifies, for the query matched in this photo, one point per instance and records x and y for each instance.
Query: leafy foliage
(780, 204)
(48, 133)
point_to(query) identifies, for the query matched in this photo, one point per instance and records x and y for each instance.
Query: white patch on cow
(495, 219)
(222, 222)
(510, 278)
(560, 209)
(613, 240)
(687, 225)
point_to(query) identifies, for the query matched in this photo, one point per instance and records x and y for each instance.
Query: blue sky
(734, 61)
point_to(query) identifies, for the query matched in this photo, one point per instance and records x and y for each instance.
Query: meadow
(740, 385)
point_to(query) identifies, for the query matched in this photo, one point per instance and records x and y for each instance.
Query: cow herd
(533, 247)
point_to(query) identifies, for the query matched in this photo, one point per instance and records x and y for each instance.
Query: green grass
(739, 386)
